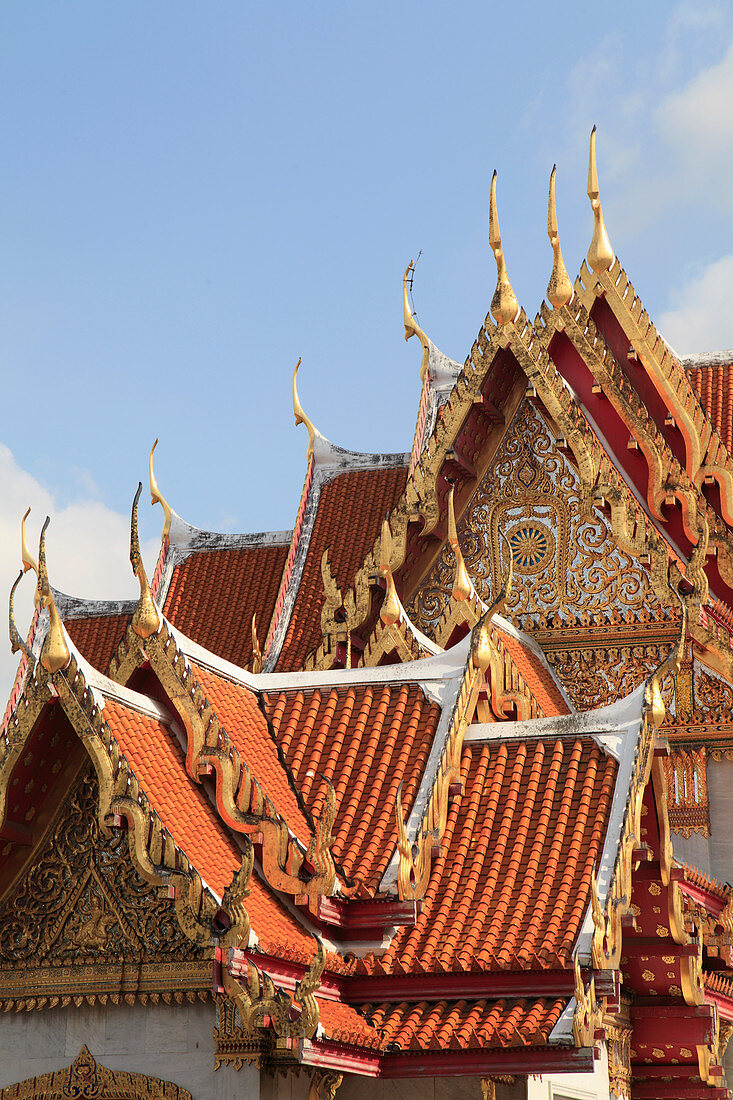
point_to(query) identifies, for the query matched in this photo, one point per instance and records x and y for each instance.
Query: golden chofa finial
(411, 326)
(600, 253)
(55, 653)
(390, 610)
(29, 562)
(559, 288)
(461, 579)
(145, 619)
(156, 497)
(504, 304)
(300, 417)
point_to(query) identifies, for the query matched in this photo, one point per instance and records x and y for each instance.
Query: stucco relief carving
(85, 1079)
(564, 565)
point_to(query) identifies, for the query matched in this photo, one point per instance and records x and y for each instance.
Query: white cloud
(87, 550)
(701, 318)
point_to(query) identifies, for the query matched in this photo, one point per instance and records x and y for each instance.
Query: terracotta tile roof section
(214, 594)
(714, 385)
(157, 760)
(511, 887)
(97, 637)
(351, 508)
(463, 1025)
(238, 711)
(537, 677)
(365, 739)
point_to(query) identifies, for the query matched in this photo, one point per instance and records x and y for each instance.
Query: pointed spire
(391, 607)
(559, 288)
(55, 653)
(600, 253)
(461, 580)
(16, 639)
(504, 304)
(298, 413)
(156, 497)
(145, 619)
(499, 605)
(411, 326)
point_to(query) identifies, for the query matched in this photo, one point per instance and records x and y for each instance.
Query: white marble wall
(174, 1042)
(429, 1088)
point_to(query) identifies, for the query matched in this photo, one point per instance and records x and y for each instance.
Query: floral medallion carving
(565, 566)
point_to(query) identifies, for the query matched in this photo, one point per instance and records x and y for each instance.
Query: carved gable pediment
(82, 923)
(86, 1078)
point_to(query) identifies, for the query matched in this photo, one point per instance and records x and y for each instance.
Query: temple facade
(430, 795)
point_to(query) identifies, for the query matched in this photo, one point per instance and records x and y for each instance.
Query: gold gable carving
(83, 924)
(565, 562)
(86, 1078)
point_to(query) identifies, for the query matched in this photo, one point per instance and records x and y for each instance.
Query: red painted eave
(448, 1063)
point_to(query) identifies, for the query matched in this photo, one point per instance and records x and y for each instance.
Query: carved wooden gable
(82, 924)
(573, 589)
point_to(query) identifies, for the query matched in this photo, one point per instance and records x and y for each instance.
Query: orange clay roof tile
(239, 713)
(351, 508)
(714, 385)
(365, 739)
(214, 593)
(97, 637)
(537, 677)
(463, 1024)
(157, 760)
(511, 886)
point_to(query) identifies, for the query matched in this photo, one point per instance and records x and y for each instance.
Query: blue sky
(194, 195)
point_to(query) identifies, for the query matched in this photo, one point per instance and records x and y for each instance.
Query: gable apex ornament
(411, 326)
(299, 414)
(600, 253)
(156, 497)
(559, 288)
(504, 304)
(145, 619)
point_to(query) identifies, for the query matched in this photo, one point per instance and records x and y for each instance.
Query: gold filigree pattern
(85, 1079)
(566, 564)
(83, 922)
(687, 792)
(598, 675)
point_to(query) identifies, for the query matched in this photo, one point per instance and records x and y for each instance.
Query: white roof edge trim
(433, 674)
(562, 1032)
(427, 783)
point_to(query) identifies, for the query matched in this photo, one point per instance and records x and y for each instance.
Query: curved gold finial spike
(29, 562)
(481, 645)
(504, 304)
(55, 653)
(145, 619)
(600, 253)
(298, 413)
(559, 288)
(461, 580)
(671, 663)
(256, 651)
(499, 605)
(17, 642)
(390, 610)
(411, 326)
(156, 497)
